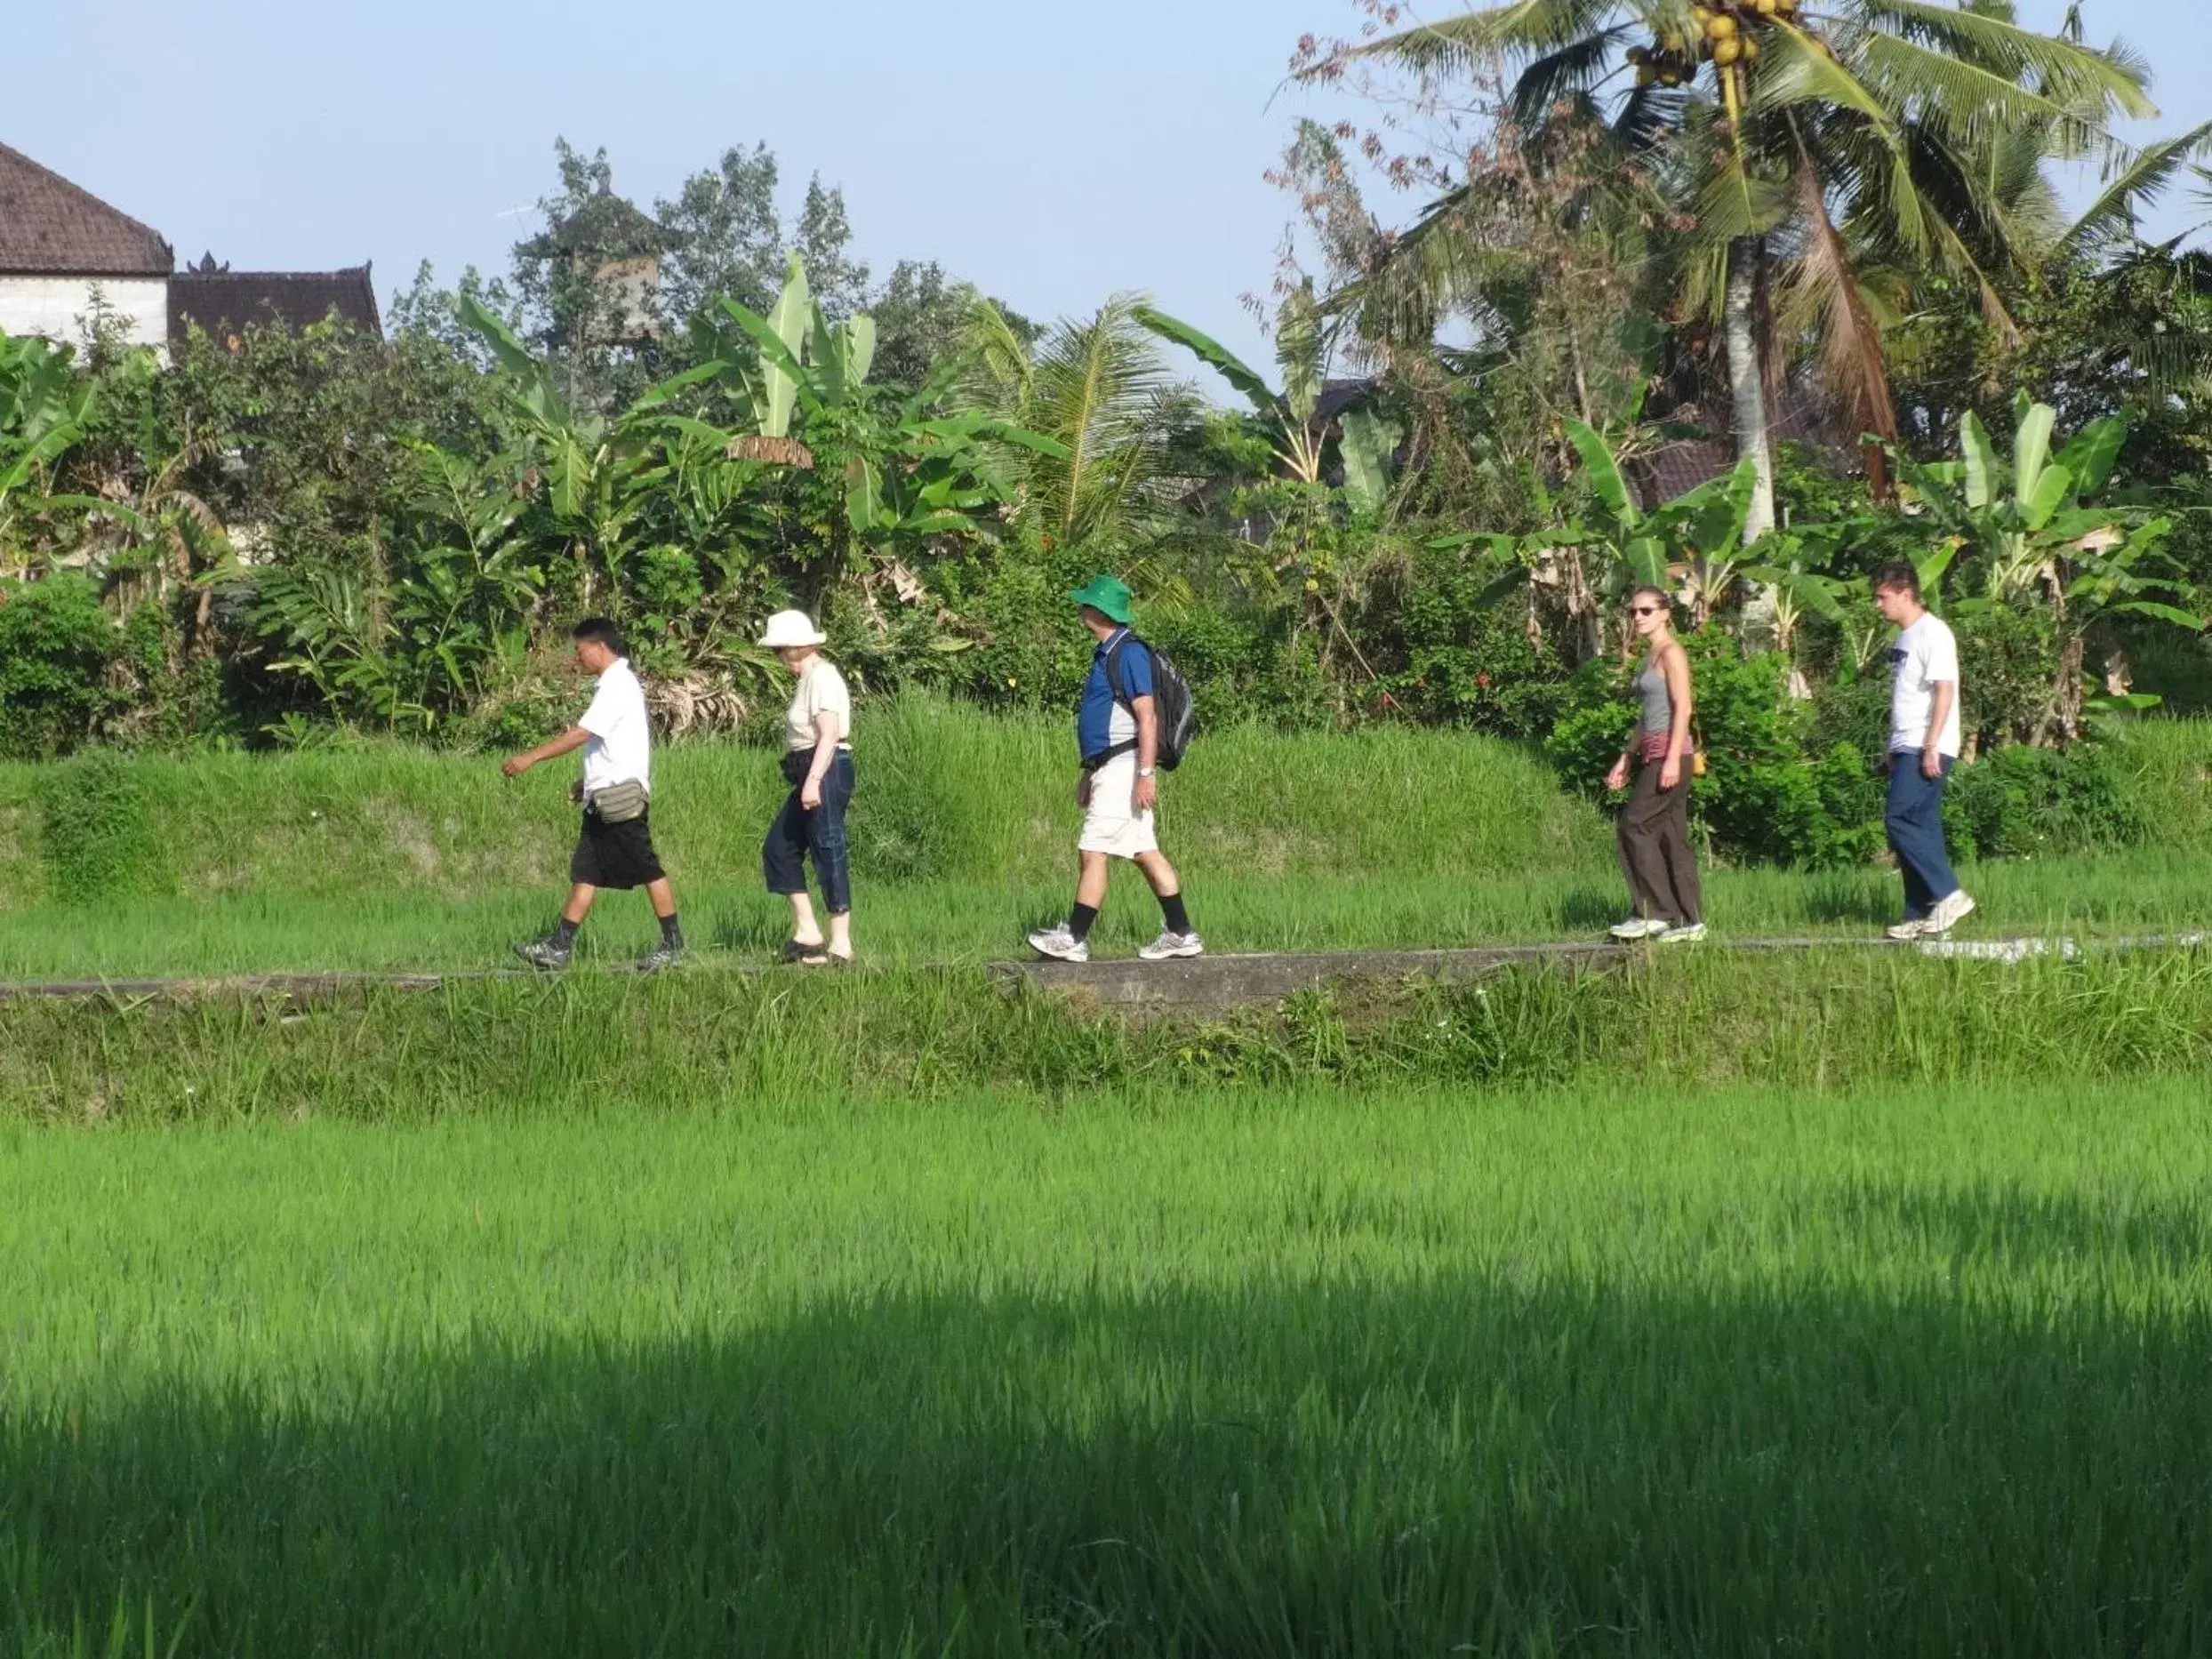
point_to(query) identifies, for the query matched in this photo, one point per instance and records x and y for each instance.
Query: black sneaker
(661, 955)
(547, 953)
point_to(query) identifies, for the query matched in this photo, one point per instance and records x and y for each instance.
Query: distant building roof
(224, 302)
(1803, 416)
(51, 228)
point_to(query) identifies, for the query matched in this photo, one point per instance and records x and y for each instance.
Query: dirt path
(1203, 984)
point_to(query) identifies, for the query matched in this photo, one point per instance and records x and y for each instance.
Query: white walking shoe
(1060, 944)
(1911, 927)
(1638, 927)
(1948, 914)
(1170, 945)
(1688, 933)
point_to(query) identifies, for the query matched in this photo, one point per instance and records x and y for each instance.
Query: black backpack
(1171, 700)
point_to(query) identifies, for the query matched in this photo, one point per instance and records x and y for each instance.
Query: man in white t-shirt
(1923, 748)
(615, 846)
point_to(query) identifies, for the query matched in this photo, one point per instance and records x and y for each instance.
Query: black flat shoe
(794, 951)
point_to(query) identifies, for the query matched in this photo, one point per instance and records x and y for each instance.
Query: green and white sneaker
(1638, 927)
(1687, 934)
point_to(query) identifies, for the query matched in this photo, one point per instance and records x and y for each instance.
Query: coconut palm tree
(1100, 388)
(1817, 142)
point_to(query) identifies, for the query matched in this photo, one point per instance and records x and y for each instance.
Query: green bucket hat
(1108, 595)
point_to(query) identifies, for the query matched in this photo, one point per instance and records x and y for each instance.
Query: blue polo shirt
(1100, 721)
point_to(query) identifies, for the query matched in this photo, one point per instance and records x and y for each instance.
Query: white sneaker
(1060, 944)
(1638, 927)
(1688, 933)
(1948, 914)
(1911, 927)
(1172, 945)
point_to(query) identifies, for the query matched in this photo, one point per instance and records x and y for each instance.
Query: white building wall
(54, 306)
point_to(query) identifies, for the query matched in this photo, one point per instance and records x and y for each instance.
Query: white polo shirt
(621, 737)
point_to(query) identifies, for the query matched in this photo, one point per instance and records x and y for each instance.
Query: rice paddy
(1607, 1370)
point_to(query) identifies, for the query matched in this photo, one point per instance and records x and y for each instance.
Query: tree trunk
(1746, 382)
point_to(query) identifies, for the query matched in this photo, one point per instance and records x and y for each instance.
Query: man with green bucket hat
(1117, 735)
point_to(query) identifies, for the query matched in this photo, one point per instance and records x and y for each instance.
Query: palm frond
(1825, 288)
(2068, 73)
(1525, 27)
(2142, 177)
(1576, 66)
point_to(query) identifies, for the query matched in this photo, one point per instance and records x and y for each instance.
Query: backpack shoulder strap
(1113, 668)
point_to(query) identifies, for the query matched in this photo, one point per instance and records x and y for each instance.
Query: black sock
(564, 933)
(1171, 908)
(1079, 920)
(671, 935)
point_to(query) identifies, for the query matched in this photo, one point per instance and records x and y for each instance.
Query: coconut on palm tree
(1816, 144)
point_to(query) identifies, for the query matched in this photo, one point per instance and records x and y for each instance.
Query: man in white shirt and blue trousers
(615, 846)
(1924, 733)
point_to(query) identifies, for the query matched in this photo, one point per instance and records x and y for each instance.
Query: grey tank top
(1651, 685)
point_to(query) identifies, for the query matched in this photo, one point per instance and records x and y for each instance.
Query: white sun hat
(791, 628)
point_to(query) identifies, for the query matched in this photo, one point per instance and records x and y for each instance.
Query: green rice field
(1602, 1369)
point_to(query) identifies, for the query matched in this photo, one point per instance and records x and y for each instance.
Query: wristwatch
(1144, 772)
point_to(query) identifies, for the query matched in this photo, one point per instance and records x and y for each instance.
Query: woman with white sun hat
(818, 764)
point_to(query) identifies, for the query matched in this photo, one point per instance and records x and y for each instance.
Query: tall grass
(1823, 1021)
(385, 857)
(946, 794)
(1637, 1371)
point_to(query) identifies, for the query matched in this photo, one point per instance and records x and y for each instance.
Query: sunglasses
(1648, 610)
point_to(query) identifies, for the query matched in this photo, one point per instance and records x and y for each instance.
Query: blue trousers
(798, 834)
(1915, 822)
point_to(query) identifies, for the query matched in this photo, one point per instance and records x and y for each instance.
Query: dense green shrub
(56, 647)
(99, 829)
(2016, 801)
(1449, 652)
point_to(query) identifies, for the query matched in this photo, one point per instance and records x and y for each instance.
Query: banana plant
(45, 408)
(2045, 545)
(2023, 517)
(1297, 434)
(908, 469)
(595, 474)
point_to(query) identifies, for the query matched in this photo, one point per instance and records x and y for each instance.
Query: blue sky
(1050, 150)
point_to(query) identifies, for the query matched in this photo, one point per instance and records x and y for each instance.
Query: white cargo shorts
(1112, 824)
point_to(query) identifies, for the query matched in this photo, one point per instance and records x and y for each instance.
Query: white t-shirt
(622, 736)
(821, 690)
(1924, 656)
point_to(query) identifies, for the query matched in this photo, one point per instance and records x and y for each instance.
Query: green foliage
(2019, 802)
(56, 647)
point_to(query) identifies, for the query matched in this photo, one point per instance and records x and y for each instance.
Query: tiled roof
(49, 227)
(1676, 468)
(224, 302)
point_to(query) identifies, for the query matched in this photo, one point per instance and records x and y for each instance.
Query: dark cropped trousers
(1653, 835)
(798, 834)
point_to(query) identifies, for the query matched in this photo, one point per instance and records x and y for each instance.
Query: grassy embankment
(399, 858)
(1630, 1370)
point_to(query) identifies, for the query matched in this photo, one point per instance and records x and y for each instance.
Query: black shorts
(615, 855)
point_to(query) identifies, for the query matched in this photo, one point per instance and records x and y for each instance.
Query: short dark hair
(602, 629)
(1898, 574)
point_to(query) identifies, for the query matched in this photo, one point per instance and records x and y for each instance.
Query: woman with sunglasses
(1654, 830)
